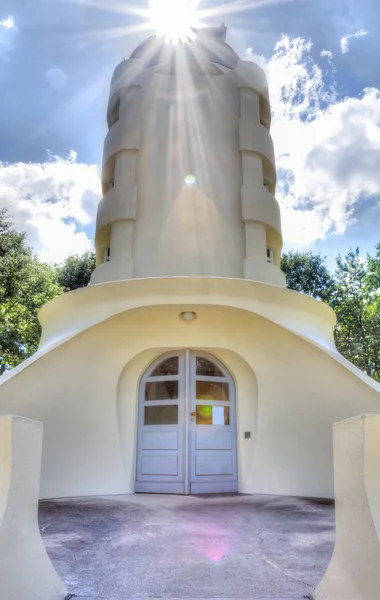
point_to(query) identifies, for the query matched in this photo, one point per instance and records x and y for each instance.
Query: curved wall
(188, 174)
(89, 412)
(246, 412)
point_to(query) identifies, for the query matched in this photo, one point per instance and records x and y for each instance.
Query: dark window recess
(161, 415)
(161, 390)
(115, 114)
(169, 366)
(207, 369)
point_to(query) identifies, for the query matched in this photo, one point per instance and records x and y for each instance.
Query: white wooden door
(213, 461)
(186, 426)
(161, 452)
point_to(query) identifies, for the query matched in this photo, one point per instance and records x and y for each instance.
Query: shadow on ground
(119, 547)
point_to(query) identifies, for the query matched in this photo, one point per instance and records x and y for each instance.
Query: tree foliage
(75, 272)
(356, 301)
(306, 272)
(353, 291)
(25, 285)
(373, 270)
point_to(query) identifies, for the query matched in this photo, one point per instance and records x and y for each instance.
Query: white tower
(190, 368)
(188, 169)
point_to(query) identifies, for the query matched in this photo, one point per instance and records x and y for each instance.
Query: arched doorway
(186, 426)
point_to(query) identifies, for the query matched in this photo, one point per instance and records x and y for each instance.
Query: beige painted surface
(25, 568)
(354, 570)
(69, 314)
(196, 118)
(289, 393)
(178, 247)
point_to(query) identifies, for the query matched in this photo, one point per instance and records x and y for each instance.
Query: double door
(186, 426)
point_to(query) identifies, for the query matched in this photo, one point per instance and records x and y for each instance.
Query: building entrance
(187, 426)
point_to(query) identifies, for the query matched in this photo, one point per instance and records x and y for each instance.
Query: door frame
(177, 487)
(228, 485)
(187, 354)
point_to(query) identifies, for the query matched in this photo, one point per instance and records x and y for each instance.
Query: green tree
(373, 271)
(25, 285)
(306, 272)
(356, 301)
(75, 272)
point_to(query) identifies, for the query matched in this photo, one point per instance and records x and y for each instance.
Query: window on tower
(114, 114)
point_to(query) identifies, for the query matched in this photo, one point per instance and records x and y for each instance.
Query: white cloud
(345, 38)
(7, 23)
(328, 55)
(49, 200)
(327, 149)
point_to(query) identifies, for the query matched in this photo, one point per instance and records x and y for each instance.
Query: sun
(174, 20)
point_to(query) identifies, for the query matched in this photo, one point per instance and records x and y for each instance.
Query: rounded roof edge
(208, 45)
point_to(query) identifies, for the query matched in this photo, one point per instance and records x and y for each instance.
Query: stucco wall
(189, 229)
(171, 122)
(85, 392)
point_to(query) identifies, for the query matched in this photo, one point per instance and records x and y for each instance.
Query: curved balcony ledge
(255, 137)
(257, 204)
(260, 270)
(128, 73)
(123, 135)
(116, 205)
(250, 75)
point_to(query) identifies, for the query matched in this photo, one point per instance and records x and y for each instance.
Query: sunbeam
(174, 20)
(236, 6)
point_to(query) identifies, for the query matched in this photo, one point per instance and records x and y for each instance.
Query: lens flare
(174, 20)
(190, 180)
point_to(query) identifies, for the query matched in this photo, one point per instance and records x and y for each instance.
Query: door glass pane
(167, 367)
(207, 368)
(212, 415)
(208, 390)
(161, 415)
(161, 390)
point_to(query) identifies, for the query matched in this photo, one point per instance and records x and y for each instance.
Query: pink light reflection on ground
(213, 538)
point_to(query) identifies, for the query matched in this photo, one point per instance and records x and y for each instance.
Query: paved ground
(122, 547)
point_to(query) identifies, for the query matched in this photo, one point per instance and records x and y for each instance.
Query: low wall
(354, 570)
(25, 568)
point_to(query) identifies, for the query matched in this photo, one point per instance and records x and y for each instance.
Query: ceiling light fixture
(188, 316)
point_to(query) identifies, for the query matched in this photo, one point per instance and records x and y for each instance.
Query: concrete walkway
(122, 547)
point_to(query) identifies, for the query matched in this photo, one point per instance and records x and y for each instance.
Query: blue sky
(321, 58)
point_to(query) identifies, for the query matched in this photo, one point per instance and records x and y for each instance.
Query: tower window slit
(115, 114)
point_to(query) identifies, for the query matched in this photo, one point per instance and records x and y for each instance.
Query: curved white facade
(190, 227)
(188, 168)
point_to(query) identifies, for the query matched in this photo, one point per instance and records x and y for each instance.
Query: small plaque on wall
(247, 435)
